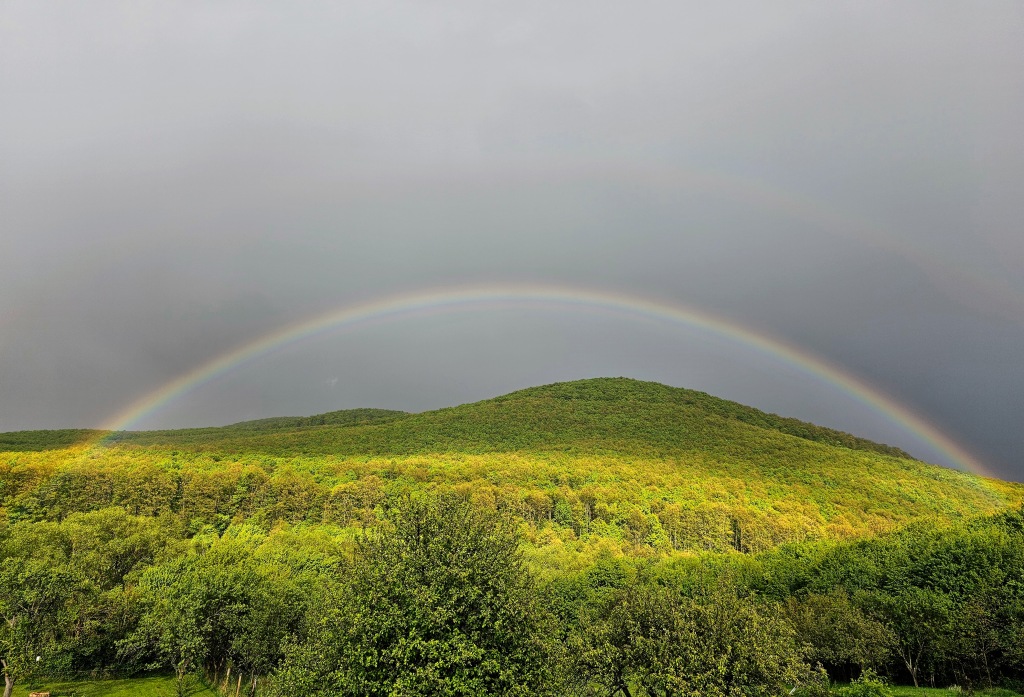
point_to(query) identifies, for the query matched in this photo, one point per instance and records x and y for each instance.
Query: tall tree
(438, 603)
(40, 593)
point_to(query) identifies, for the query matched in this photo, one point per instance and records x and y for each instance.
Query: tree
(40, 591)
(839, 633)
(659, 641)
(437, 603)
(220, 603)
(916, 617)
(174, 620)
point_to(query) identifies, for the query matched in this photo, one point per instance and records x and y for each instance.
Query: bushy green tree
(220, 603)
(869, 684)
(815, 683)
(660, 642)
(41, 596)
(840, 635)
(437, 603)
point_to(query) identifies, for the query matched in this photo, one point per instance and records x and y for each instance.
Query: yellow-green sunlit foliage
(610, 464)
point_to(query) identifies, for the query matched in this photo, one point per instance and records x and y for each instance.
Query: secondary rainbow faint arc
(455, 298)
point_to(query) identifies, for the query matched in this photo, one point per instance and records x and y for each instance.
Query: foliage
(841, 634)
(649, 469)
(229, 599)
(662, 642)
(60, 585)
(950, 596)
(440, 593)
(439, 603)
(597, 537)
(815, 683)
(345, 417)
(867, 685)
(25, 441)
(592, 414)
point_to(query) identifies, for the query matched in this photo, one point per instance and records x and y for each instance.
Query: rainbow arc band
(482, 296)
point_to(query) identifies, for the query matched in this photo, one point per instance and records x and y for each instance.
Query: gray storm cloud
(179, 179)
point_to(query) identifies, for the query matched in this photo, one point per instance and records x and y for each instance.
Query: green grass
(936, 691)
(164, 687)
(136, 687)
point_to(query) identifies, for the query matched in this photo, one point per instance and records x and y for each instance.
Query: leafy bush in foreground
(438, 603)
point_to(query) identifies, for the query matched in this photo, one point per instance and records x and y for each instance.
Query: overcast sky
(178, 179)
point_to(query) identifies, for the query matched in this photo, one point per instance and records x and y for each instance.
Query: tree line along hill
(641, 467)
(606, 523)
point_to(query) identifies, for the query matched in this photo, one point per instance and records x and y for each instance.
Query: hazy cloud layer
(177, 179)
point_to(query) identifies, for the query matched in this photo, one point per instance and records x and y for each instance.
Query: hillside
(344, 417)
(643, 467)
(599, 415)
(601, 515)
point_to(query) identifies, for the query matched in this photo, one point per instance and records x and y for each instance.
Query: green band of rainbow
(481, 295)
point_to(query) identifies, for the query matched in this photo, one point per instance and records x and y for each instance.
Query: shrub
(867, 685)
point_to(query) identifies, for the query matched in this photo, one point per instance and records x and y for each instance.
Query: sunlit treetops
(620, 464)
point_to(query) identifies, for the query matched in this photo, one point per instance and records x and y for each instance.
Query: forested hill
(647, 398)
(344, 417)
(50, 439)
(617, 415)
(666, 528)
(639, 466)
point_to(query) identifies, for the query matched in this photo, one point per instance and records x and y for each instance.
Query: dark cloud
(177, 180)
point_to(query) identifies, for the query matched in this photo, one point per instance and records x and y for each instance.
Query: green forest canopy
(626, 512)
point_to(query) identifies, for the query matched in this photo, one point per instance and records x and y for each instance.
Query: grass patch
(936, 691)
(161, 686)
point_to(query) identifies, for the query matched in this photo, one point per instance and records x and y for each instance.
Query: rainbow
(478, 296)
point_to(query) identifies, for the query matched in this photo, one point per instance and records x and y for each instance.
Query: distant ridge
(46, 439)
(621, 415)
(343, 417)
(50, 439)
